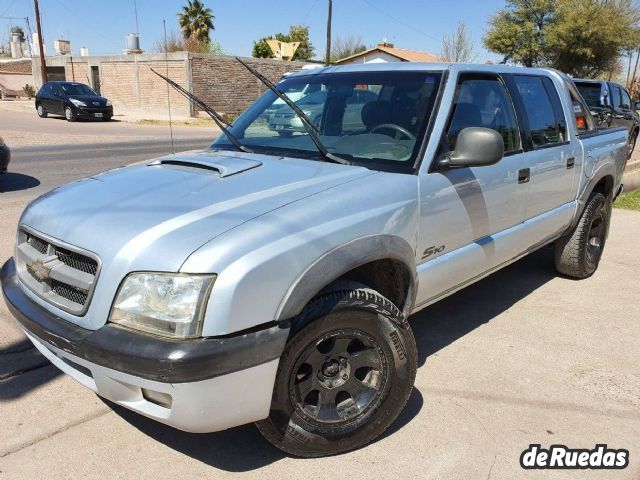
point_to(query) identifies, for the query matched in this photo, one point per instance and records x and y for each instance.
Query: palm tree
(195, 21)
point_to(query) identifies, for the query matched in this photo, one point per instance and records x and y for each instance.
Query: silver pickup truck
(269, 278)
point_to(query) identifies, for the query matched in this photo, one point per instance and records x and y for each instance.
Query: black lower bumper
(145, 356)
(90, 112)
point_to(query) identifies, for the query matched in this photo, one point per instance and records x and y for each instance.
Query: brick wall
(132, 84)
(77, 72)
(222, 82)
(129, 83)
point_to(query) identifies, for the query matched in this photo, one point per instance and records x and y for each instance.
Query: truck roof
(422, 66)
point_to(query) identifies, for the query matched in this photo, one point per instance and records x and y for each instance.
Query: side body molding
(340, 260)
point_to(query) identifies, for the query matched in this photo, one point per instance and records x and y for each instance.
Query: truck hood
(152, 216)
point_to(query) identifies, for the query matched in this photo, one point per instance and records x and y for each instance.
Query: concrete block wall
(127, 80)
(222, 82)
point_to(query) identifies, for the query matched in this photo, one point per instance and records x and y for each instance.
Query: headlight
(166, 304)
(77, 103)
(108, 103)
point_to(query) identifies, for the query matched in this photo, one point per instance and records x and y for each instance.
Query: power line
(8, 8)
(401, 22)
(304, 17)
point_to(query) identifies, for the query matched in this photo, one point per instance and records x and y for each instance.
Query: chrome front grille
(62, 274)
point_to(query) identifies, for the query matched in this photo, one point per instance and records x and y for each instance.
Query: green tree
(297, 33)
(579, 37)
(196, 21)
(518, 31)
(592, 36)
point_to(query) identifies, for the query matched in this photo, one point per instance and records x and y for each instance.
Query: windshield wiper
(306, 123)
(221, 122)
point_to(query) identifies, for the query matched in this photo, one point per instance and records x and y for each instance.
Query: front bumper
(94, 112)
(213, 383)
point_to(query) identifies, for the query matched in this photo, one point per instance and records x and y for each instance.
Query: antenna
(166, 69)
(135, 10)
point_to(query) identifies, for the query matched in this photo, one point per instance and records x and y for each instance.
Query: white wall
(373, 57)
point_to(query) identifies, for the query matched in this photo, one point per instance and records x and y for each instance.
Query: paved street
(521, 357)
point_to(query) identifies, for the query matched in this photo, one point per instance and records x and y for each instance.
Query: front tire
(578, 254)
(70, 115)
(345, 375)
(42, 113)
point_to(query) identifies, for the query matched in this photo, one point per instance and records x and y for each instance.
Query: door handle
(523, 175)
(571, 161)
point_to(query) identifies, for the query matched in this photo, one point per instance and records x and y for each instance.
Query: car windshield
(591, 93)
(76, 89)
(368, 118)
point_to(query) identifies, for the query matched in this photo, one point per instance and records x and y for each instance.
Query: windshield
(368, 118)
(591, 93)
(77, 89)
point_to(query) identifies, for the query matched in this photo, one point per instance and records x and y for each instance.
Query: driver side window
(484, 102)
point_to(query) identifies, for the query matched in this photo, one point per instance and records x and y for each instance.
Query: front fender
(340, 260)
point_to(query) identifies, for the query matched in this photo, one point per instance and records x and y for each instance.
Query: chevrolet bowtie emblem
(39, 270)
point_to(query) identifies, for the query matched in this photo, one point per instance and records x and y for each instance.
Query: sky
(102, 25)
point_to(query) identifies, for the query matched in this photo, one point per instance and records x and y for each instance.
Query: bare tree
(343, 47)
(458, 46)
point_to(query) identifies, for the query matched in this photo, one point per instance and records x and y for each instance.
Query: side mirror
(475, 147)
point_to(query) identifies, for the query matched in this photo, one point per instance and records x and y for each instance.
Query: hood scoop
(225, 166)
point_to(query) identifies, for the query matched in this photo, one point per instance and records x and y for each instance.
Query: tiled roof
(403, 54)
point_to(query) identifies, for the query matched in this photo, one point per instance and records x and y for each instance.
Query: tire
(70, 115)
(346, 345)
(42, 113)
(578, 254)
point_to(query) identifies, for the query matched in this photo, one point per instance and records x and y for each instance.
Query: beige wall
(222, 82)
(15, 81)
(127, 80)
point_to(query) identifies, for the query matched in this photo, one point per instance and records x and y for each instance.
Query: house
(14, 75)
(387, 52)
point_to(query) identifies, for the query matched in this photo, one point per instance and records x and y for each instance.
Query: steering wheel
(399, 130)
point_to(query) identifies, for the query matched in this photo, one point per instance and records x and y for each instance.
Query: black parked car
(611, 106)
(5, 156)
(72, 100)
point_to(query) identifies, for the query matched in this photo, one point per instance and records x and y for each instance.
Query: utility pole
(43, 65)
(327, 58)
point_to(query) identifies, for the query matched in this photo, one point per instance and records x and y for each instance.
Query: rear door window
(546, 123)
(592, 93)
(616, 99)
(626, 99)
(484, 102)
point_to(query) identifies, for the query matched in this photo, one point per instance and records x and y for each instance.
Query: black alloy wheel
(339, 378)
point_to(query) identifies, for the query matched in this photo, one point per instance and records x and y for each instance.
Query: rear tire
(345, 375)
(578, 254)
(70, 115)
(42, 113)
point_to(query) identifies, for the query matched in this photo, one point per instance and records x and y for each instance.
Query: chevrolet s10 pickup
(269, 277)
